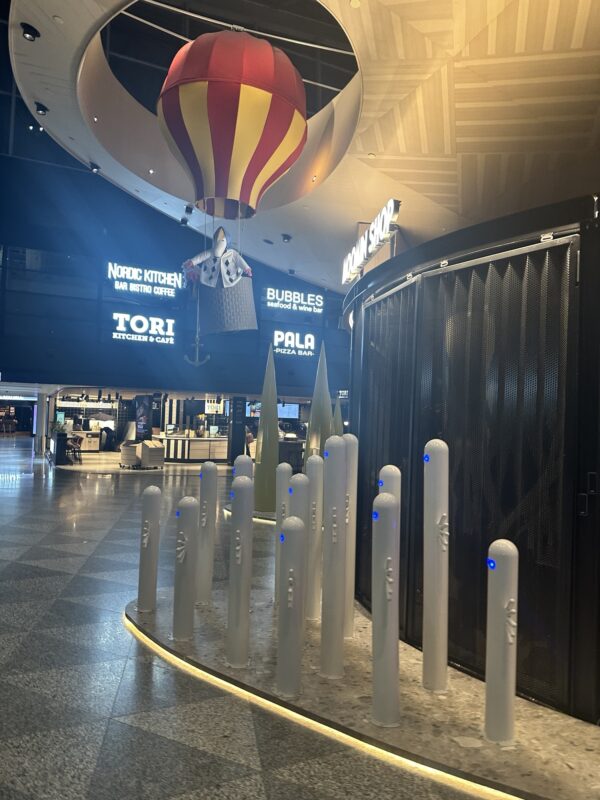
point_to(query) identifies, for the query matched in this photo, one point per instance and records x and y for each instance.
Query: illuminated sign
(138, 328)
(289, 300)
(372, 239)
(292, 343)
(141, 280)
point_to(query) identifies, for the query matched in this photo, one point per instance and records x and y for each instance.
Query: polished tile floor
(85, 712)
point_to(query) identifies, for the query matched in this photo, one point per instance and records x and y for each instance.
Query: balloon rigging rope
(220, 23)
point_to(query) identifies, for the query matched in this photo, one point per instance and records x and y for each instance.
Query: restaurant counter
(183, 449)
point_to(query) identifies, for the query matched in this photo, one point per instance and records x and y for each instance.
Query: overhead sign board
(293, 301)
(294, 343)
(372, 239)
(139, 328)
(144, 280)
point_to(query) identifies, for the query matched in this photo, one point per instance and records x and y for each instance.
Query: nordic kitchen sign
(373, 238)
(144, 280)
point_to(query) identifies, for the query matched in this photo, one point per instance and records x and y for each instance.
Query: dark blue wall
(56, 304)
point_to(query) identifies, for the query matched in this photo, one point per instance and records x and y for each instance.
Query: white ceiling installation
(463, 110)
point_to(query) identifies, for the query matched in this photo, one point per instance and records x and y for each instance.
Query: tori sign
(138, 328)
(372, 239)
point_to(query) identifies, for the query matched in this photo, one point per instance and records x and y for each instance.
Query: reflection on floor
(85, 712)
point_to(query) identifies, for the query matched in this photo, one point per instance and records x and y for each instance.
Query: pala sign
(372, 239)
(292, 343)
(138, 328)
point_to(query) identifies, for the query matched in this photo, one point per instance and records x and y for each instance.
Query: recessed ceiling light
(286, 237)
(94, 167)
(41, 109)
(371, 155)
(29, 32)
(95, 119)
(41, 129)
(150, 172)
(30, 127)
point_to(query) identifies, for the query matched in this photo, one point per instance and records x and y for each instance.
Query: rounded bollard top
(387, 473)
(502, 550)
(298, 480)
(242, 459)
(284, 467)
(350, 438)
(151, 490)
(435, 447)
(314, 461)
(241, 481)
(208, 466)
(384, 502)
(292, 525)
(187, 502)
(334, 447)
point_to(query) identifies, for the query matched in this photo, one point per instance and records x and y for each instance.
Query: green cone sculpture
(320, 424)
(338, 422)
(267, 443)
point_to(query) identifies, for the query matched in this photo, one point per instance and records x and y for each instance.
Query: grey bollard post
(314, 472)
(291, 591)
(243, 465)
(185, 569)
(501, 641)
(283, 475)
(150, 540)
(351, 443)
(240, 572)
(385, 565)
(207, 523)
(435, 566)
(334, 558)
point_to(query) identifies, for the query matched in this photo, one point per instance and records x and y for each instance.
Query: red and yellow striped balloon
(233, 110)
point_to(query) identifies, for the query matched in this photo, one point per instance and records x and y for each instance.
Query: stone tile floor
(85, 712)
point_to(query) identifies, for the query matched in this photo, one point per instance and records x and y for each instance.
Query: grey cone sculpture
(338, 422)
(267, 443)
(320, 424)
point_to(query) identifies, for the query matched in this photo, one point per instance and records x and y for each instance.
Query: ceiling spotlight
(94, 167)
(29, 32)
(267, 241)
(150, 171)
(30, 127)
(371, 155)
(41, 129)
(95, 119)
(189, 208)
(183, 221)
(40, 109)
(314, 178)
(286, 237)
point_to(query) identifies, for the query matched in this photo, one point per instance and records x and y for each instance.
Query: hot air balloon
(233, 110)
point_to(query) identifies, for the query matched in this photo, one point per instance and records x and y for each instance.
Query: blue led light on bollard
(177, 513)
(426, 458)
(232, 495)
(376, 515)
(491, 563)
(281, 537)
(326, 454)
(233, 470)
(380, 483)
(290, 490)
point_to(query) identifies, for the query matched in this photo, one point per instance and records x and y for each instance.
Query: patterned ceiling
(483, 106)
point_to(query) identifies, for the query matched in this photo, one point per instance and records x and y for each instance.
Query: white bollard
(435, 566)
(501, 641)
(385, 566)
(240, 572)
(283, 475)
(314, 472)
(243, 465)
(291, 601)
(390, 480)
(298, 503)
(185, 569)
(207, 523)
(150, 540)
(351, 443)
(334, 558)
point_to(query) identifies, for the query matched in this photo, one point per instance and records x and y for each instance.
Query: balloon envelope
(233, 110)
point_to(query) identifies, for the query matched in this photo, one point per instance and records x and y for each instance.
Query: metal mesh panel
(493, 376)
(385, 431)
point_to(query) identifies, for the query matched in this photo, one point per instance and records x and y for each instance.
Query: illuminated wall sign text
(138, 328)
(372, 239)
(141, 280)
(291, 343)
(288, 300)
